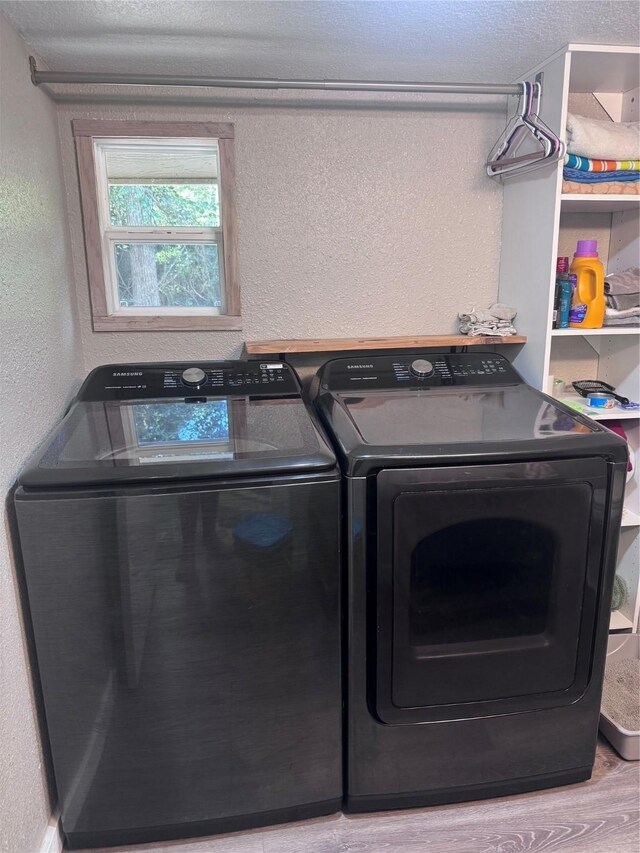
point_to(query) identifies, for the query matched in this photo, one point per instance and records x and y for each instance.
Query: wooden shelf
(344, 344)
(595, 203)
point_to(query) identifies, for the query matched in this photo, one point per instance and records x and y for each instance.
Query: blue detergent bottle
(565, 286)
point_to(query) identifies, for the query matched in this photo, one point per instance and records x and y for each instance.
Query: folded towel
(622, 321)
(605, 188)
(600, 177)
(495, 320)
(626, 314)
(590, 137)
(623, 301)
(627, 281)
(585, 164)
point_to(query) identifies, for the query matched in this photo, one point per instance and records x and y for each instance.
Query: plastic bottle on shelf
(588, 303)
(564, 294)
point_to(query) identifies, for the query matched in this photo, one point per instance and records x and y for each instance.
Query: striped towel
(585, 164)
(599, 177)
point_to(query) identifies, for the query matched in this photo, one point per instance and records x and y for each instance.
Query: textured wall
(40, 363)
(353, 221)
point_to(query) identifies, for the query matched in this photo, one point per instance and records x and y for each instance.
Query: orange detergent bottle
(587, 303)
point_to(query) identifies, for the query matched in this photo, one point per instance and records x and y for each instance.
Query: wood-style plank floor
(599, 816)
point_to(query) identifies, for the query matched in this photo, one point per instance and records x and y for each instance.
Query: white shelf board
(618, 622)
(577, 203)
(630, 518)
(605, 330)
(615, 414)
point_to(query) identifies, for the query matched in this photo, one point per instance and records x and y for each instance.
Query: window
(158, 208)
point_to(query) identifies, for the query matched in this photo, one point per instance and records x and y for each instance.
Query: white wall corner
(52, 840)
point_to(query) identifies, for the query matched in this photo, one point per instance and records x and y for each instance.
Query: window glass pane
(184, 275)
(169, 205)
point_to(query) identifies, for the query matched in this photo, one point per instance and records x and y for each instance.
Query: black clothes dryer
(180, 543)
(481, 531)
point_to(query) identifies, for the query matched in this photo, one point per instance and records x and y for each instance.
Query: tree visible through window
(175, 422)
(166, 231)
(166, 274)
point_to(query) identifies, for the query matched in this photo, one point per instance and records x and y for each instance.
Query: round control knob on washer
(194, 376)
(421, 368)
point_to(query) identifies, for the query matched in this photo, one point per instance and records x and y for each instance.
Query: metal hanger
(503, 159)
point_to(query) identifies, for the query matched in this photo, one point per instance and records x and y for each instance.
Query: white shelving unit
(595, 333)
(541, 223)
(575, 203)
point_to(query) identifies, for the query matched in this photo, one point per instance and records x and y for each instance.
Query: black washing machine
(180, 545)
(481, 531)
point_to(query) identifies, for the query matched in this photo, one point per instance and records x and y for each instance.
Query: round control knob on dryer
(194, 376)
(421, 368)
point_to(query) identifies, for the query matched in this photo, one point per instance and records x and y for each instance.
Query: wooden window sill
(190, 323)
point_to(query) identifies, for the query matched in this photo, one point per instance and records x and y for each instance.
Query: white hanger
(503, 161)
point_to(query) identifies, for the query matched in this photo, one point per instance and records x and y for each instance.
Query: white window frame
(93, 141)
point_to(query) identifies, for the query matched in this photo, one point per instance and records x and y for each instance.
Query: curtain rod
(75, 77)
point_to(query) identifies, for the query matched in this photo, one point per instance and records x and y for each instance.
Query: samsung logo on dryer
(359, 366)
(128, 373)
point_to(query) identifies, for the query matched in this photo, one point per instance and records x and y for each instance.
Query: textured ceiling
(481, 40)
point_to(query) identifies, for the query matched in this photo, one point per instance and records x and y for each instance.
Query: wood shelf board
(577, 203)
(345, 344)
(615, 414)
(619, 623)
(588, 333)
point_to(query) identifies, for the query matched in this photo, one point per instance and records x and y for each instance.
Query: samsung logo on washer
(131, 373)
(359, 366)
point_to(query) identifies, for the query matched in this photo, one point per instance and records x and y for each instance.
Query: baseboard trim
(52, 841)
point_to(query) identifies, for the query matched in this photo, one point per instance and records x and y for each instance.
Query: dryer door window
(484, 579)
(487, 584)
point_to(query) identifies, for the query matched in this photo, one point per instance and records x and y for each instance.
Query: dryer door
(487, 587)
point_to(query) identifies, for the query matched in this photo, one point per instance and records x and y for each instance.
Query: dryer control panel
(430, 370)
(190, 380)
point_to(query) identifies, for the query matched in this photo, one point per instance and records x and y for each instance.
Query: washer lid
(114, 441)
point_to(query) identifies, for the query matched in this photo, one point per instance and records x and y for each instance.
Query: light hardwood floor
(599, 816)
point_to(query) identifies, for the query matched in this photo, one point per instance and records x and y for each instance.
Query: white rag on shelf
(603, 140)
(625, 317)
(495, 320)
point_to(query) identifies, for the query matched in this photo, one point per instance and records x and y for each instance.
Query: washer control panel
(433, 370)
(189, 381)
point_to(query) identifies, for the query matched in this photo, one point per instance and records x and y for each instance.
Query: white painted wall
(352, 221)
(40, 368)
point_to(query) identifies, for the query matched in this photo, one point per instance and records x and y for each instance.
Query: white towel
(623, 314)
(603, 140)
